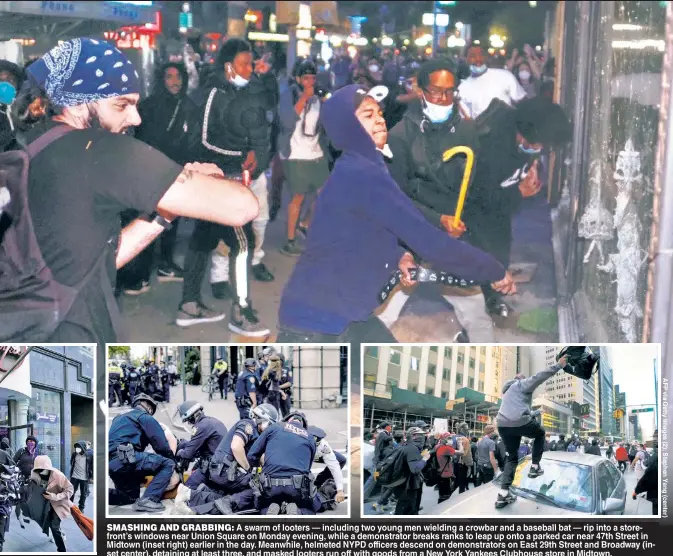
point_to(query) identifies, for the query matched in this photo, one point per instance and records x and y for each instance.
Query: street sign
(643, 410)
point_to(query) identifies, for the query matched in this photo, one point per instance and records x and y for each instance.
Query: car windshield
(566, 484)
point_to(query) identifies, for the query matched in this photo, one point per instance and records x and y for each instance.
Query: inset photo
(511, 431)
(216, 430)
(47, 463)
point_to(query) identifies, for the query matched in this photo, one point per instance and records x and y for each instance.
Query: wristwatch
(158, 219)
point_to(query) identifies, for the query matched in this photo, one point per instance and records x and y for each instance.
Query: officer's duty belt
(421, 274)
(279, 482)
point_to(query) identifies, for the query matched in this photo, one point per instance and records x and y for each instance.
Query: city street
(332, 421)
(152, 315)
(32, 539)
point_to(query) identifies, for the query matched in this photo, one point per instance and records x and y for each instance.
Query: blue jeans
(128, 477)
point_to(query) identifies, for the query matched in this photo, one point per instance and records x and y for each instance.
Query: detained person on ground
(81, 182)
(361, 216)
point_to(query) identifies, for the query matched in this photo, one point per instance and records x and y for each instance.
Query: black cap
(378, 93)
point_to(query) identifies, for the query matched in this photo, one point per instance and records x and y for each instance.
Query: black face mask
(419, 442)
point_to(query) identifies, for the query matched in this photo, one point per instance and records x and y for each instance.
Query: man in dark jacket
(235, 130)
(409, 493)
(81, 472)
(594, 449)
(11, 78)
(25, 457)
(168, 125)
(649, 482)
(361, 216)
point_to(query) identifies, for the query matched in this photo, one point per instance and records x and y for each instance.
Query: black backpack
(32, 303)
(391, 469)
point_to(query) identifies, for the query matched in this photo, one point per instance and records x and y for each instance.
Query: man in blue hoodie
(516, 420)
(360, 218)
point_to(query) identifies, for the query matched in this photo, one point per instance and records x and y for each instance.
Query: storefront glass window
(84, 355)
(75, 385)
(45, 414)
(47, 370)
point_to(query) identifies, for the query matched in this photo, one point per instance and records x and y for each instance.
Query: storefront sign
(50, 417)
(60, 8)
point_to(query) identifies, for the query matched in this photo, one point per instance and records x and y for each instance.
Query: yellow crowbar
(469, 153)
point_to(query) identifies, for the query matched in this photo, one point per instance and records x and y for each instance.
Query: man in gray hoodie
(516, 420)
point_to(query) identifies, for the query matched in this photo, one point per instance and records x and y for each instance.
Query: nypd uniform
(288, 451)
(245, 385)
(334, 462)
(286, 404)
(218, 479)
(208, 434)
(114, 384)
(133, 379)
(140, 429)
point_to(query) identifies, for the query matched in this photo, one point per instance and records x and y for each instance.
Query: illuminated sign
(149, 3)
(270, 37)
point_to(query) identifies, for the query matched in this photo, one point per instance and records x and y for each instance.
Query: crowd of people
(261, 464)
(126, 381)
(365, 146)
(32, 488)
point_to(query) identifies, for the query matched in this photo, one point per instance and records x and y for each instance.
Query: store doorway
(81, 418)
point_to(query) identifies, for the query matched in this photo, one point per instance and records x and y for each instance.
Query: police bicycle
(211, 386)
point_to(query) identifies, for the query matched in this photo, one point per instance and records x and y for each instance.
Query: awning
(63, 20)
(411, 402)
(468, 399)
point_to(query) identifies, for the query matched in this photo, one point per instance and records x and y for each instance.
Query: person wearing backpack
(66, 190)
(633, 450)
(414, 458)
(487, 464)
(622, 457)
(465, 460)
(445, 454)
(639, 459)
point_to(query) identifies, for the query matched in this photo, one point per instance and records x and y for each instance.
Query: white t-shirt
(304, 143)
(476, 93)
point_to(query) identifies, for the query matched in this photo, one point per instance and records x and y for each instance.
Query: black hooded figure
(168, 126)
(25, 457)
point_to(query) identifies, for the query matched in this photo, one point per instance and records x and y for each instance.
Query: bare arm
(494, 463)
(135, 238)
(238, 449)
(253, 397)
(197, 195)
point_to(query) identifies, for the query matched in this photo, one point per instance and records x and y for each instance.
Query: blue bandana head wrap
(80, 71)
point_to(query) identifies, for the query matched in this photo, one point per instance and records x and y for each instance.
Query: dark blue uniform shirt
(140, 429)
(209, 433)
(288, 450)
(246, 429)
(246, 384)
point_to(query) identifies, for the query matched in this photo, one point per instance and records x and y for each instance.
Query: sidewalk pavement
(32, 539)
(152, 315)
(332, 421)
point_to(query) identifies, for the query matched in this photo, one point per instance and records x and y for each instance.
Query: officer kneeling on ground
(229, 469)
(129, 436)
(288, 451)
(207, 433)
(246, 389)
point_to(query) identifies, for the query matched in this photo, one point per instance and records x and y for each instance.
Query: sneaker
(147, 505)
(221, 290)
(503, 501)
(244, 321)
(496, 306)
(169, 273)
(274, 509)
(138, 289)
(261, 273)
(291, 249)
(196, 313)
(291, 509)
(378, 508)
(535, 472)
(302, 230)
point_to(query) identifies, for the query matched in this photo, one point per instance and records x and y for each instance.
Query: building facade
(47, 392)
(606, 392)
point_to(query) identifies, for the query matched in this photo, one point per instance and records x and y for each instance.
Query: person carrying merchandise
(334, 462)
(129, 435)
(465, 461)
(649, 482)
(246, 389)
(622, 457)
(286, 384)
(285, 483)
(25, 457)
(487, 464)
(414, 457)
(593, 449)
(206, 435)
(222, 369)
(235, 129)
(515, 419)
(362, 214)
(81, 472)
(76, 104)
(58, 491)
(228, 479)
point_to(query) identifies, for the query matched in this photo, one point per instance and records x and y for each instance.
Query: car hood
(481, 501)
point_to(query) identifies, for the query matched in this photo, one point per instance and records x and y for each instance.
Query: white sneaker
(183, 495)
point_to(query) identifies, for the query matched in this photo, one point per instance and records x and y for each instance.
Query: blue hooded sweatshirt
(360, 216)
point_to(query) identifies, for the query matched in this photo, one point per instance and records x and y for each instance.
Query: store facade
(48, 392)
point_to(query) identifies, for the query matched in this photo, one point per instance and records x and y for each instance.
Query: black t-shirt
(78, 185)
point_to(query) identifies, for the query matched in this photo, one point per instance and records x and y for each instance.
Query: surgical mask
(78, 450)
(478, 70)
(437, 113)
(7, 93)
(238, 81)
(528, 150)
(524, 75)
(44, 473)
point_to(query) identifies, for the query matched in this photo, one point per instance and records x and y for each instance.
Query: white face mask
(437, 113)
(524, 75)
(78, 450)
(237, 80)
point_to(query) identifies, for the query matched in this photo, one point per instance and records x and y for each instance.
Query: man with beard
(236, 136)
(88, 171)
(11, 78)
(166, 126)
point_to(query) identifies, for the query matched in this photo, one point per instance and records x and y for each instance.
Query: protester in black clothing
(235, 122)
(649, 482)
(594, 449)
(409, 492)
(25, 457)
(561, 445)
(167, 125)
(384, 443)
(11, 78)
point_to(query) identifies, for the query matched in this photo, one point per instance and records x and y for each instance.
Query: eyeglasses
(438, 95)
